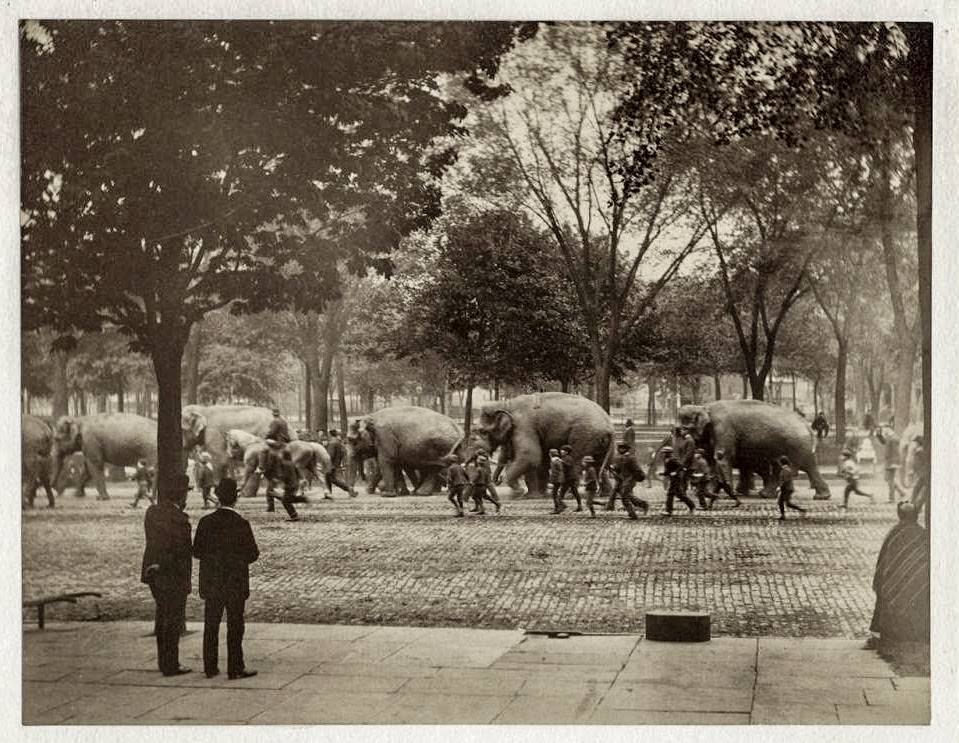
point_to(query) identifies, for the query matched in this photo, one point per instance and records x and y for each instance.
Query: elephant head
(360, 441)
(469, 446)
(67, 439)
(193, 425)
(696, 418)
(237, 442)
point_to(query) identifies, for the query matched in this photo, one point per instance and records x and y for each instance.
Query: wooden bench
(41, 603)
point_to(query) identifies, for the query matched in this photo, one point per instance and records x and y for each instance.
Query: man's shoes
(577, 509)
(782, 518)
(327, 497)
(459, 514)
(180, 670)
(633, 515)
(214, 672)
(645, 508)
(293, 518)
(245, 674)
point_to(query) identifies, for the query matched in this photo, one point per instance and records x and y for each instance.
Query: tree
(784, 79)
(552, 149)
(460, 312)
(236, 169)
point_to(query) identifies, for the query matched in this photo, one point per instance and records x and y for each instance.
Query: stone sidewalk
(105, 673)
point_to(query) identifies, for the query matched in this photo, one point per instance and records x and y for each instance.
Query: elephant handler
(627, 473)
(286, 473)
(702, 480)
(456, 483)
(479, 487)
(337, 454)
(556, 480)
(590, 483)
(569, 476)
(677, 485)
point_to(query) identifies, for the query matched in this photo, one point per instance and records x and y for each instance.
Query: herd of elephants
(414, 442)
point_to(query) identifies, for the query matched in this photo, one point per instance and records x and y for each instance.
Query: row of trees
(762, 163)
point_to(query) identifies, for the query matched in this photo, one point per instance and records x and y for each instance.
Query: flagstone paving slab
(569, 710)
(647, 717)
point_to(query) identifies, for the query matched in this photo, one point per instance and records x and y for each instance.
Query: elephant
(753, 435)
(207, 426)
(108, 438)
(404, 439)
(528, 426)
(310, 458)
(37, 451)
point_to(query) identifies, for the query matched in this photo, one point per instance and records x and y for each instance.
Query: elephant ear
(197, 424)
(501, 426)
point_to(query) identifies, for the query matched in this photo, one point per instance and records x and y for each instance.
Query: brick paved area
(406, 561)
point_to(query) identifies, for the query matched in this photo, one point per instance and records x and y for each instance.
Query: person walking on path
(677, 486)
(786, 488)
(901, 581)
(629, 433)
(485, 480)
(850, 471)
(285, 473)
(820, 425)
(167, 568)
(627, 472)
(204, 480)
(225, 546)
(337, 452)
(891, 460)
(590, 484)
(143, 477)
(556, 480)
(702, 479)
(456, 482)
(569, 476)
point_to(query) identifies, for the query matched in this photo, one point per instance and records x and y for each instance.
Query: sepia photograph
(476, 372)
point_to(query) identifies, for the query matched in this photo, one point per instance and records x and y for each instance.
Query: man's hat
(226, 488)
(276, 411)
(566, 447)
(667, 450)
(846, 453)
(623, 446)
(588, 459)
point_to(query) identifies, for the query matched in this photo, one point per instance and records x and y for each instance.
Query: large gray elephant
(529, 426)
(36, 451)
(311, 459)
(109, 438)
(207, 426)
(406, 439)
(753, 435)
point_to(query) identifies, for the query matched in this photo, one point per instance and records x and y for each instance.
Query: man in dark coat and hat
(225, 547)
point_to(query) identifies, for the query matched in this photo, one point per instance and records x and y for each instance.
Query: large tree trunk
(167, 357)
(191, 363)
(61, 392)
(839, 395)
(651, 402)
(905, 371)
(120, 401)
(308, 395)
(920, 74)
(815, 395)
(717, 387)
(468, 409)
(601, 376)
(341, 394)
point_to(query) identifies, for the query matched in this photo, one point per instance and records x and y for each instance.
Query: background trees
(237, 168)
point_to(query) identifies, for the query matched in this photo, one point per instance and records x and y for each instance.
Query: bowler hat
(226, 488)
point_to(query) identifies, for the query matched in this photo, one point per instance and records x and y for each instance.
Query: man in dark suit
(225, 547)
(167, 568)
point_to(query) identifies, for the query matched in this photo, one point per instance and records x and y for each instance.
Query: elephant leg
(745, 481)
(374, 479)
(45, 482)
(99, 481)
(429, 482)
(84, 477)
(808, 465)
(388, 471)
(527, 464)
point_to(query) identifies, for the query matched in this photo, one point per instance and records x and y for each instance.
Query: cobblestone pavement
(406, 561)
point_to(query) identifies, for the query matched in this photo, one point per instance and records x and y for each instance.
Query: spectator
(225, 547)
(786, 488)
(167, 568)
(901, 581)
(820, 426)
